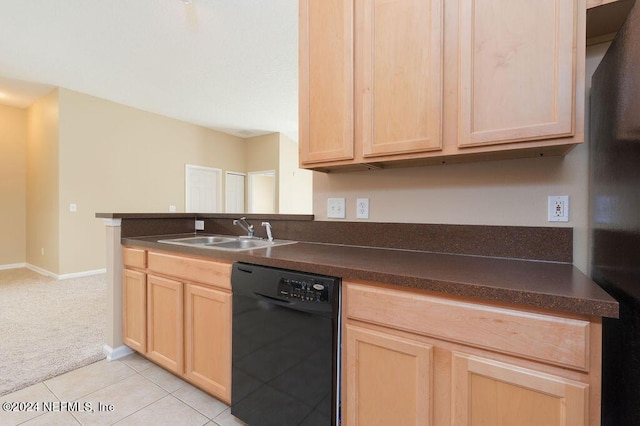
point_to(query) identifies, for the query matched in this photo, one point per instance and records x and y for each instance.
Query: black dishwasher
(286, 339)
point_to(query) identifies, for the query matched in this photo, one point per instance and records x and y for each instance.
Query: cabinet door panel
(388, 379)
(208, 340)
(165, 322)
(326, 80)
(134, 312)
(517, 70)
(399, 58)
(488, 393)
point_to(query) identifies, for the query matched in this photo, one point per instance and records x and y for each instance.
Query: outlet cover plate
(558, 210)
(362, 208)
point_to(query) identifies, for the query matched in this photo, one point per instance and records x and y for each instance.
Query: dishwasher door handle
(273, 300)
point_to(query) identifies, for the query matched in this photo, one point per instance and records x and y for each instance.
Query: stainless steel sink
(225, 242)
(242, 244)
(196, 241)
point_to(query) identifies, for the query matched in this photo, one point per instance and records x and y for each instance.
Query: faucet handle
(242, 222)
(267, 226)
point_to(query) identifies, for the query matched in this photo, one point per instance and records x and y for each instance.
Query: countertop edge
(298, 217)
(606, 306)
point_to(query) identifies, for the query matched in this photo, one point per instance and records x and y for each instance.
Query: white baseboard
(117, 353)
(41, 271)
(82, 274)
(65, 276)
(13, 266)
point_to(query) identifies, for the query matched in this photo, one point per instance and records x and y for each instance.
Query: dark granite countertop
(547, 285)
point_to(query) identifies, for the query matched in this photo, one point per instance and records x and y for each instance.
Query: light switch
(73, 207)
(335, 208)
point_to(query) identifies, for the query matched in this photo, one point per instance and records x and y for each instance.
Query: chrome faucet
(267, 226)
(242, 223)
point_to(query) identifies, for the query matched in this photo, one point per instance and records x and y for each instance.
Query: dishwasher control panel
(305, 289)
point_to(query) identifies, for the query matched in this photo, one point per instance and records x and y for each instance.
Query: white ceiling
(229, 65)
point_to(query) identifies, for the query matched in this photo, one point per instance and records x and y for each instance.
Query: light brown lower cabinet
(409, 357)
(207, 338)
(134, 313)
(488, 393)
(177, 313)
(165, 323)
(414, 358)
(389, 378)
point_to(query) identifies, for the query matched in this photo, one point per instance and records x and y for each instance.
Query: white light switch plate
(336, 208)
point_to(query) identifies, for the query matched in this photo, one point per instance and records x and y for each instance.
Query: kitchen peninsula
(467, 308)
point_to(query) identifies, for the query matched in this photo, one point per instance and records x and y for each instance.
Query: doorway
(262, 192)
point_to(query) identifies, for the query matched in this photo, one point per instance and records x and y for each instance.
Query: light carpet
(48, 327)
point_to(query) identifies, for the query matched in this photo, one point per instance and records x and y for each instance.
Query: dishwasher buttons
(303, 290)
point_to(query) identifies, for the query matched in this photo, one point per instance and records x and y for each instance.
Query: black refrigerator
(614, 187)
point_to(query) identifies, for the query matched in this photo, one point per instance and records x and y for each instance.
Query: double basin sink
(226, 242)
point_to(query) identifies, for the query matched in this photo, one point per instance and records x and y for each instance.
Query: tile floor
(130, 391)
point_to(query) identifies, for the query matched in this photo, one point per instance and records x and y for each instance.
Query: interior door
(234, 192)
(203, 189)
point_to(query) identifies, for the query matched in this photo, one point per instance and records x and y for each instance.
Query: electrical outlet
(335, 208)
(199, 225)
(558, 208)
(73, 207)
(362, 208)
(172, 208)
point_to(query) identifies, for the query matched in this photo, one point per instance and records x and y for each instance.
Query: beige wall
(262, 155)
(107, 157)
(115, 158)
(13, 185)
(262, 152)
(296, 185)
(102, 157)
(512, 192)
(42, 184)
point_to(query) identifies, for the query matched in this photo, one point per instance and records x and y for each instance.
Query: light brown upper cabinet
(517, 70)
(326, 81)
(387, 97)
(399, 63)
(387, 83)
